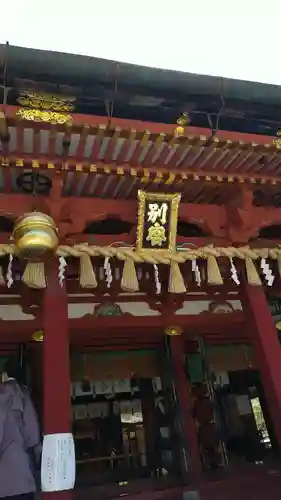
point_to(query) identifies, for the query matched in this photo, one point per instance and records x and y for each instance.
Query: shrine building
(140, 274)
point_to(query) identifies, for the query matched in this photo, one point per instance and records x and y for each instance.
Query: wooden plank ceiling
(115, 162)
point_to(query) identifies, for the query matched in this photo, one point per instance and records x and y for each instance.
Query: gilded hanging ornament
(35, 235)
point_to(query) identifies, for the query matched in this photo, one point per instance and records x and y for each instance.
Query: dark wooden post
(184, 398)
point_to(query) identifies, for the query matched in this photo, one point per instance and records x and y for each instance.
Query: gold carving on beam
(45, 101)
(157, 221)
(277, 141)
(171, 178)
(5, 162)
(146, 176)
(182, 121)
(159, 178)
(36, 115)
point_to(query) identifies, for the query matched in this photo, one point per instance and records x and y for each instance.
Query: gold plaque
(157, 221)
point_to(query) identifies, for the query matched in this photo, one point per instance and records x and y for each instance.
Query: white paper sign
(58, 466)
(121, 385)
(157, 385)
(97, 410)
(80, 412)
(78, 389)
(104, 387)
(243, 405)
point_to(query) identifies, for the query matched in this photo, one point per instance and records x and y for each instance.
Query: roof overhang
(112, 159)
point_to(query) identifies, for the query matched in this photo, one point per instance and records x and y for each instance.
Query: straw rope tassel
(252, 273)
(2, 279)
(176, 281)
(213, 271)
(129, 281)
(87, 274)
(34, 275)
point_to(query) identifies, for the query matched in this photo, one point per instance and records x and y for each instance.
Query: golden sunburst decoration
(173, 331)
(38, 336)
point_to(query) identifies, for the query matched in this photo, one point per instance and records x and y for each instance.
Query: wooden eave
(114, 159)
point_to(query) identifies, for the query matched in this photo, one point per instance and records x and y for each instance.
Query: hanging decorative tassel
(176, 281)
(107, 270)
(196, 271)
(62, 266)
(213, 271)
(87, 274)
(9, 275)
(267, 272)
(129, 281)
(234, 274)
(34, 275)
(157, 281)
(2, 279)
(252, 274)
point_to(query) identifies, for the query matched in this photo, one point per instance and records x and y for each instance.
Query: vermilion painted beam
(226, 224)
(127, 325)
(98, 209)
(190, 297)
(103, 332)
(9, 297)
(154, 128)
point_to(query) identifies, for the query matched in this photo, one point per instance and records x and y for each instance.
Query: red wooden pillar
(56, 364)
(184, 397)
(267, 350)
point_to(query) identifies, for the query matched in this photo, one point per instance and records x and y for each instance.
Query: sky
(229, 38)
